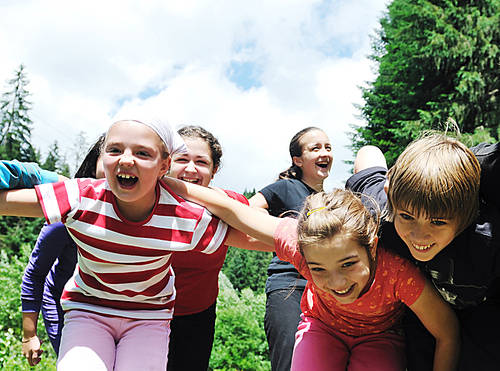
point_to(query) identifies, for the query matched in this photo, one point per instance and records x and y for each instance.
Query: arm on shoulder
(239, 216)
(440, 320)
(242, 240)
(258, 201)
(369, 156)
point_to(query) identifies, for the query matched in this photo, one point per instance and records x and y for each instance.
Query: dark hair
(295, 149)
(193, 131)
(88, 166)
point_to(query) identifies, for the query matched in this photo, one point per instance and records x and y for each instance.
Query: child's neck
(136, 211)
(315, 184)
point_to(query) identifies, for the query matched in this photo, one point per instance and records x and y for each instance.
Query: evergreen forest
(437, 69)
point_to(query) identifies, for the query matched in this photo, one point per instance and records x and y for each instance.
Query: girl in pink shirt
(356, 291)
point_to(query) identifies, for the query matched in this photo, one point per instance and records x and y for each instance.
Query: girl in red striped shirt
(119, 303)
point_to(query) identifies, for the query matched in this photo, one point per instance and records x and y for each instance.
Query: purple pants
(319, 347)
(95, 342)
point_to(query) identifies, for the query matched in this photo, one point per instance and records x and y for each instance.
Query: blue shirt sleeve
(15, 174)
(51, 245)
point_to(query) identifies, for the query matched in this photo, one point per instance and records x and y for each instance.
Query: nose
(337, 281)
(325, 153)
(419, 233)
(190, 167)
(126, 159)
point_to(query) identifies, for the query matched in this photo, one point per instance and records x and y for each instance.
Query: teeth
(422, 247)
(190, 180)
(342, 292)
(126, 176)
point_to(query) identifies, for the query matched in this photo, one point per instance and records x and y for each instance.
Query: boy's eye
(438, 222)
(143, 153)
(181, 160)
(201, 162)
(405, 216)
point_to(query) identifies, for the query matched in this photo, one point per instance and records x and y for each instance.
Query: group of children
(361, 275)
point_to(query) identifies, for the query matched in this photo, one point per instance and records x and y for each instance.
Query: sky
(251, 72)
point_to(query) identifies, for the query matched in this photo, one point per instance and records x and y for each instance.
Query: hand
(31, 350)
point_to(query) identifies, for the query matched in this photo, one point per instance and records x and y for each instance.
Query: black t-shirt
(489, 158)
(284, 197)
(467, 271)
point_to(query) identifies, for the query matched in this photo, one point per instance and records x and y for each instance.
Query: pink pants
(319, 347)
(94, 342)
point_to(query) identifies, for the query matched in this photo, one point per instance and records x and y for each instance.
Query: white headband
(172, 140)
(170, 137)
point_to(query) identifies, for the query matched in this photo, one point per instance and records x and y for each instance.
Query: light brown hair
(435, 176)
(325, 215)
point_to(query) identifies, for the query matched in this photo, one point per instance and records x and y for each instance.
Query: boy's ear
(297, 161)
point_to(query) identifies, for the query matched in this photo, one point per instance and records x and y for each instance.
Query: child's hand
(32, 351)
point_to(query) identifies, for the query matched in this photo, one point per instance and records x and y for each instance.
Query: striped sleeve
(59, 199)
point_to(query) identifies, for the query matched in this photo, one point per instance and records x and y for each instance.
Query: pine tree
(81, 147)
(15, 124)
(55, 162)
(437, 59)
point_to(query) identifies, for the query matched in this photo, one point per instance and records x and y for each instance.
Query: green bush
(240, 341)
(247, 268)
(11, 358)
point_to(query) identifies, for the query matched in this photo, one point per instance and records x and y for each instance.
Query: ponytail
(295, 149)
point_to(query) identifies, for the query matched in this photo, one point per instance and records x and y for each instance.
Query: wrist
(26, 339)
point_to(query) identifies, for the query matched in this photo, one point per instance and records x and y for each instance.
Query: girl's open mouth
(127, 180)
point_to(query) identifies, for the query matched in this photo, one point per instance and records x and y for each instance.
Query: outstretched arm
(239, 216)
(258, 200)
(20, 202)
(440, 320)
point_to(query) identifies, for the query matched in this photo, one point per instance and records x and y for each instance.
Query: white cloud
(90, 61)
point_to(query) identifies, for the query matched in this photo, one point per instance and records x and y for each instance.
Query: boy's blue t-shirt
(15, 174)
(467, 271)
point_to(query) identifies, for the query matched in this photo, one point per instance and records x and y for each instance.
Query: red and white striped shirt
(124, 267)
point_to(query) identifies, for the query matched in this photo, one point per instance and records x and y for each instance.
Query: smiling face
(316, 158)
(133, 162)
(196, 166)
(424, 236)
(340, 266)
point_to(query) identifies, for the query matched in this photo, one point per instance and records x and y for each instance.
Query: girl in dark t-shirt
(311, 153)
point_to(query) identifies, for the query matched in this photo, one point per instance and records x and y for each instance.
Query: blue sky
(252, 72)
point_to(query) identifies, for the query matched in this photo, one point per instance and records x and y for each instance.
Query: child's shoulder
(391, 261)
